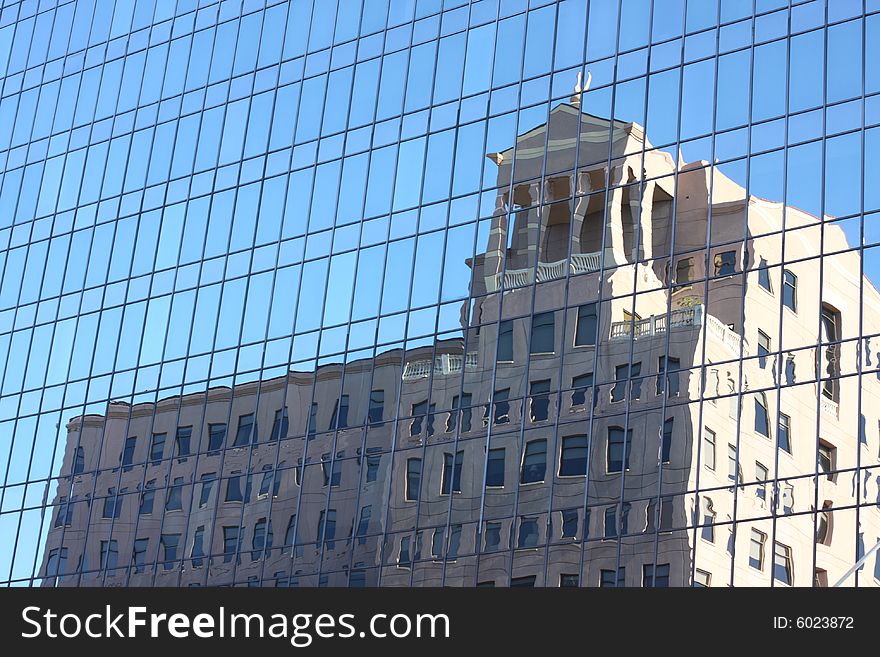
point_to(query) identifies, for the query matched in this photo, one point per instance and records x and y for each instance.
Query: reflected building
(651, 384)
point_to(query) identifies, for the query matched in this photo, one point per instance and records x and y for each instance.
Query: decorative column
(583, 186)
(493, 262)
(534, 227)
(641, 203)
(614, 246)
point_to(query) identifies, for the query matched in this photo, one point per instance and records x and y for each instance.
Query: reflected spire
(578, 89)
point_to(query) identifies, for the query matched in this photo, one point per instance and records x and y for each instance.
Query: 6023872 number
(824, 622)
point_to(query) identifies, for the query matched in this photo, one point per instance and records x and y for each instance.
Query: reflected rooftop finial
(578, 89)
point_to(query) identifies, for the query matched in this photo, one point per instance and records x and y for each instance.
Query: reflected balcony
(581, 263)
(657, 324)
(680, 318)
(444, 364)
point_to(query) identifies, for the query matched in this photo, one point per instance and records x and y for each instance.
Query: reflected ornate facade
(570, 434)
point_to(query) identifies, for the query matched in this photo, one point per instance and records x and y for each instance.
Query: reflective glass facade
(440, 293)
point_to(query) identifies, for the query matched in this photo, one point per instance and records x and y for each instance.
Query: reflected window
(702, 579)
(725, 263)
(827, 459)
(357, 578)
(613, 579)
(655, 576)
(451, 480)
(764, 276)
(128, 452)
(157, 448)
(756, 549)
(502, 406)
(610, 529)
(782, 566)
(261, 541)
(413, 479)
(734, 468)
(762, 419)
(569, 581)
(216, 436)
(112, 504)
(246, 432)
(339, 419)
(823, 525)
(789, 290)
(207, 480)
(581, 387)
(312, 428)
(573, 458)
(830, 370)
(666, 510)
(534, 465)
(627, 375)
(377, 407)
(454, 542)
(373, 463)
(495, 468)
(332, 476)
(761, 475)
(233, 488)
(784, 436)
(666, 445)
(174, 499)
(526, 582)
(763, 349)
(79, 462)
(109, 555)
(280, 425)
(56, 564)
(619, 448)
(139, 553)
(147, 498)
(289, 534)
(625, 508)
(437, 542)
(540, 400)
(505, 341)
(364, 524)
(707, 532)
(461, 406)
(528, 533)
(493, 536)
(418, 415)
(168, 544)
(667, 378)
(684, 272)
(182, 441)
(569, 523)
(269, 482)
(543, 334)
(403, 558)
(230, 543)
(586, 328)
(709, 448)
(327, 528)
